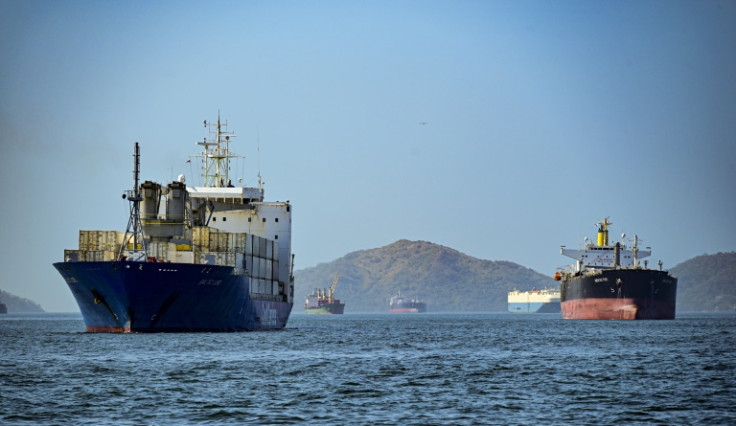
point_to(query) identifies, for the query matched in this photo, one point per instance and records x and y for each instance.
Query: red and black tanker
(608, 282)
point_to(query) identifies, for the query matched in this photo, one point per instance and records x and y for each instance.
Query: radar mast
(216, 155)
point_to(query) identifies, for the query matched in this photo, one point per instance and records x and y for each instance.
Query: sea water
(433, 368)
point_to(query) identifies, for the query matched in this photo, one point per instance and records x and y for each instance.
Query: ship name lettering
(601, 280)
(206, 281)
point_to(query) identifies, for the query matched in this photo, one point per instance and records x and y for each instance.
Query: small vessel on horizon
(402, 305)
(607, 281)
(534, 301)
(322, 301)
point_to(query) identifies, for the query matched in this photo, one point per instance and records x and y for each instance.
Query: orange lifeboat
(558, 276)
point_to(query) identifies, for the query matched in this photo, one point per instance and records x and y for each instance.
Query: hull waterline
(122, 297)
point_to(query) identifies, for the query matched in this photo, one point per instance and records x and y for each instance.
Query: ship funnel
(603, 232)
(176, 201)
(151, 194)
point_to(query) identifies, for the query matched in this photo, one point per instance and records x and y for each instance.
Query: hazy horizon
(501, 129)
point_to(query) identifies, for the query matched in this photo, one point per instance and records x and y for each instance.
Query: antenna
(134, 229)
(258, 147)
(216, 156)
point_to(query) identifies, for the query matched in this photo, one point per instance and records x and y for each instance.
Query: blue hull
(169, 297)
(537, 308)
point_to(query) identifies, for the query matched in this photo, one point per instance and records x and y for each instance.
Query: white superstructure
(604, 255)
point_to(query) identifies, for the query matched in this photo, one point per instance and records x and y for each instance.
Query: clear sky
(502, 129)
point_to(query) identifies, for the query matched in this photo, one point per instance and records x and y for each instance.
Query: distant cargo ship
(215, 257)
(3, 308)
(322, 301)
(402, 305)
(607, 282)
(534, 301)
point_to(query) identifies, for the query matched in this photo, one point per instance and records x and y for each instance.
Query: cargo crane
(322, 301)
(331, 297)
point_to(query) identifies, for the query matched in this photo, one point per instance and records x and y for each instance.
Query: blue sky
(541, 119)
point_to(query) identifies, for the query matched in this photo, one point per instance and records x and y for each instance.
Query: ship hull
(327, 309)
(409, 308)
(620, 294)
(168, 297)
(535, 307)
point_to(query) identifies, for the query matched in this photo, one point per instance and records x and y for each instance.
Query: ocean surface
(375, 369)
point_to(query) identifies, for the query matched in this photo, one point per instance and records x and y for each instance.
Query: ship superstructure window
(249, 219)
(214, 219)
(277, 219)
(264, 220)
(224, 219)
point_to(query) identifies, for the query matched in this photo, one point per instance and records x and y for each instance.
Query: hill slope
(707, 283)
(444, 278)
(18, 304)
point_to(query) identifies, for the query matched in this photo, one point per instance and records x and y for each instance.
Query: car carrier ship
(206, 258)
(607, 281)
(534, 301)
(322, 301)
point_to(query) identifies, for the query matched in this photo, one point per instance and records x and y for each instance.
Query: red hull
(616, 309)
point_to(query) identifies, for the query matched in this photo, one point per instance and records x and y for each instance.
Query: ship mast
(134, 231)
(216, 155)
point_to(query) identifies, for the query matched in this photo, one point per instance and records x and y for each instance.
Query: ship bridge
(226, 195)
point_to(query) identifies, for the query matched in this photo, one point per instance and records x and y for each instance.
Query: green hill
(707, 283)
(445, 279)
(18, 304)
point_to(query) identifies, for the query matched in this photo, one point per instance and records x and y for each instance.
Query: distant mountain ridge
(707, 283)
(18, 304)
(449, 280)
(444, 278)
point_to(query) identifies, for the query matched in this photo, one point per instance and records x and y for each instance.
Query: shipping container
(217, 258)
(201, 237)
(100, 240)
(268, 271)
(275, 271)
(237, 242)
(98, 255)
(72, 256)
(181, 256)
(256, 272)
(256, 245)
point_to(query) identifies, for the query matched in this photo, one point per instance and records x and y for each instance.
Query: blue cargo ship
(207, 258)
